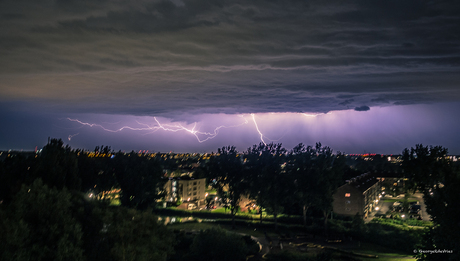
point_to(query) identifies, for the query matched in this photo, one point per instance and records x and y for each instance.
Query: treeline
(46, 213)
(275, 178)
(429, 170)
(59, 167)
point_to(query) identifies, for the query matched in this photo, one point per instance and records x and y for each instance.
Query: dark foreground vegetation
(56, 205)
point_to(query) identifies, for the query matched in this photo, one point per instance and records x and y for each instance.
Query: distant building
(185, 189)
(359, 195)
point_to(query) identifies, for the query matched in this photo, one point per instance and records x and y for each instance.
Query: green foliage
(39, 225)
(434, 174)
(139, 179)
(391, 235)
(395, 234)
(228, 176)
(57, 166)
(317, 174)
(270, 183)
(403, 223)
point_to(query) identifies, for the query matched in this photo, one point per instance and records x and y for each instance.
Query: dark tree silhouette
(429, 169)
(316, 174)
(266, 166)
(39, 225)
(57, 166)
(226, 171)
(140, 180)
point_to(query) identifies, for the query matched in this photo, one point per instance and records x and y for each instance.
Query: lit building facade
(185, 189)
(359, 195)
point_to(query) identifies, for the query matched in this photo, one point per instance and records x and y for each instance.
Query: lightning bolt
(199, 135)
(260, 133)
(71, 136)
(257, 128)
(109, 130)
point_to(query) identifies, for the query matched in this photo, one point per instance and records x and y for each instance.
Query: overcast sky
(163, 75)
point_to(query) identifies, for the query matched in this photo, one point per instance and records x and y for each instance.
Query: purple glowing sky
(387, 74)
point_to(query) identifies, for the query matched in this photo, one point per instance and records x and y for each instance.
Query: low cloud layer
(173, 57)
(362, 108)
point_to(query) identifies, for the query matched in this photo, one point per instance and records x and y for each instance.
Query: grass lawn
(115, 202)
(211, 191)
(221, 210)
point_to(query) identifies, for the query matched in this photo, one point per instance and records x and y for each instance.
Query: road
(424, 214)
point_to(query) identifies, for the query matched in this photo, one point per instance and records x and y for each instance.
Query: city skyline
(193, 76)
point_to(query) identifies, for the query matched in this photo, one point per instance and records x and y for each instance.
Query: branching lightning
(199, 135)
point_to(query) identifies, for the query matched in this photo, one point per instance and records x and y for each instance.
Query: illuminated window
(347, 195)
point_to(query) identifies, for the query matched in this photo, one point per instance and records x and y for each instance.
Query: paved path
(424, 214)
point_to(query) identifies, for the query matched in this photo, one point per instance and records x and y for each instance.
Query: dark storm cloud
(345, 102)
(362, 108)
(167, 57)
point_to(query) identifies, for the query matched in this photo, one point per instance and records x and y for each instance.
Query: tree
(140, 180)
(57, 166)
(14, 172)
(430, 170)
(39, 225)
(304, 183)
(96, 173)
(226, 172)
(316, 173)
(269, 180)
